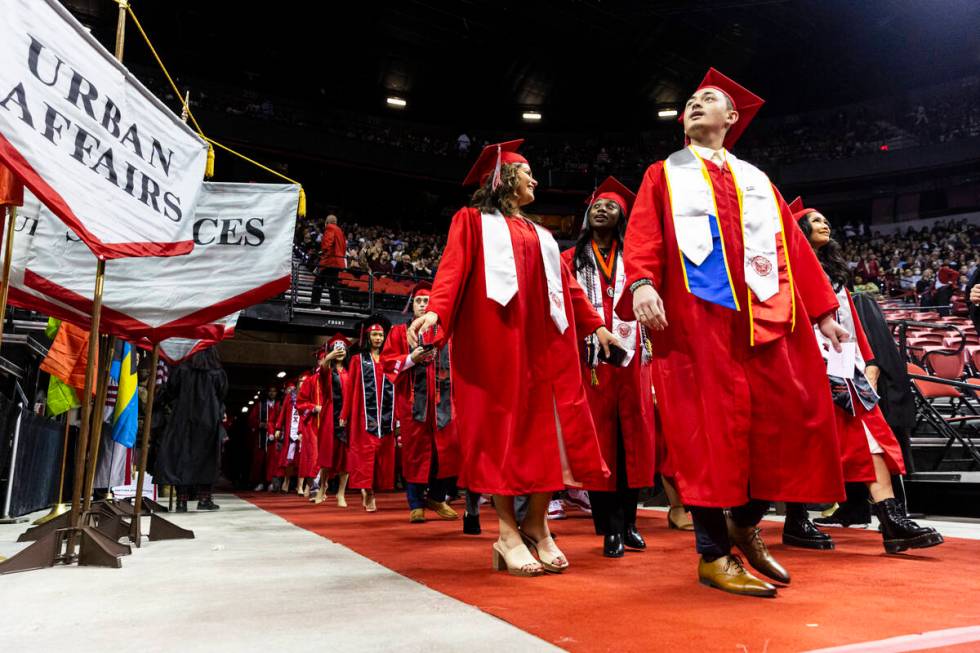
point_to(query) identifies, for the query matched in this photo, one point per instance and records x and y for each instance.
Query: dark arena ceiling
(584, 64)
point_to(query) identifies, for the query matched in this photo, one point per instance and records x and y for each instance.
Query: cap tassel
(209, 166)
(595, 378)
(301, 209)
(496, 171)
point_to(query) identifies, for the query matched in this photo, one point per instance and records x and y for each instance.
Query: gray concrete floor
(250, 581)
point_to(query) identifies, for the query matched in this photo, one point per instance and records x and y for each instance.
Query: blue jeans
(438, 491)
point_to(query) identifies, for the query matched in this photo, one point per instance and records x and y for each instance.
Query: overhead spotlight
(251, 403)
(281, 375)
(244, 409)
(531, 116)
(396, 102)
(667, 113)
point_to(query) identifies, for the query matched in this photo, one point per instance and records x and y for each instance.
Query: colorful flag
(125, 415)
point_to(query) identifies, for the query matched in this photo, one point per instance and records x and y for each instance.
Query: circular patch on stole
(624, 330)
(761, 265)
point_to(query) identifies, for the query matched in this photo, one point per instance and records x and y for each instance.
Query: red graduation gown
(258, 433)
(622, 399)
(735, 416)
(272, 451)
(418, 438)
(284, 420)
(855, 453)
(318, 439)
(515, 377)
(371, 459)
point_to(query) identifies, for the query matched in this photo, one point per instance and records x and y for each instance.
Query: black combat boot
(901, 533)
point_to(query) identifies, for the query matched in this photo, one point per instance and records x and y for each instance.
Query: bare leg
(672, 496)
(322, 490)
(510, 544)
(341, 489)
(677, 516)
(881, 487)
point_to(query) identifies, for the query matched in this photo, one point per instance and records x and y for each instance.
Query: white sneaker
(556, 510)
(259, 488)
(579, 499)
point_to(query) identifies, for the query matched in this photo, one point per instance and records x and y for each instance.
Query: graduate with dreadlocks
(620, 396)
(368, 414)
(424, 408)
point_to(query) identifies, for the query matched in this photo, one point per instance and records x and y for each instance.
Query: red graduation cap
(490, 160)
(420, 289)
(745, 102)
(798, 210)
(337, 341)
(613, 189)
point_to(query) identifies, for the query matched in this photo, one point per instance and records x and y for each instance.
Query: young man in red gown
(424, 410)
(718, 267)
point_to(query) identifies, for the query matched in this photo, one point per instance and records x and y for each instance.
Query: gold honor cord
(209, 169)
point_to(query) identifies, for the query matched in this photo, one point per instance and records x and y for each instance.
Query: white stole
(500, 268)
(692, 200)
(625, 331)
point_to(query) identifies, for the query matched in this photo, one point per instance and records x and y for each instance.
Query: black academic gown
(187, 450)
(894, 386)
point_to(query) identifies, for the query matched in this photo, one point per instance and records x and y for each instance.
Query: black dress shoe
(802, 533)
(181, 506)
(632, 538)
(471, 524)
(612, 546)
(207, 504)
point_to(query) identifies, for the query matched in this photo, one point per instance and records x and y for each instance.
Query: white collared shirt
(718, 157)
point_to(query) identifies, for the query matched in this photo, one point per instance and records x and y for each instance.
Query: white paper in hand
(842, 364)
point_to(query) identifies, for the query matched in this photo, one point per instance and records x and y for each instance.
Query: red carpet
(651, 601)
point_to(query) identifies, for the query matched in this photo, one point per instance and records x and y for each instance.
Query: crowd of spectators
(375, 248)
(929, 266)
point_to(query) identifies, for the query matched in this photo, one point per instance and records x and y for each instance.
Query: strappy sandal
(555, 565)
(517, 561)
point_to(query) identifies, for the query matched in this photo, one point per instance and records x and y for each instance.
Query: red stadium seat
(944, 363)
(929, 389)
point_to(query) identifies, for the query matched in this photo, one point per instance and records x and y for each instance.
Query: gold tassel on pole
(301, 211)
(209, 166)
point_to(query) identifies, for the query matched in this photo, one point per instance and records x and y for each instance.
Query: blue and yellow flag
(125, 415)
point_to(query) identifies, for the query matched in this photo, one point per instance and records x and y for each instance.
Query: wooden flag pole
(81, 448)
(95, 442)
(151, 391)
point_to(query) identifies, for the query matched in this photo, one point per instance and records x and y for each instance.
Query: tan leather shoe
(679, 519)
(729, 575)
(416, 516)
(749, 542)
(442, 509)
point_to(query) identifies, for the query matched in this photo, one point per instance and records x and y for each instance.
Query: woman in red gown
(368, 413)
(870, 452)
(320, 400)
(514, 314)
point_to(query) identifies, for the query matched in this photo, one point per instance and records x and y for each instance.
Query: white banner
(243, 237)
(108, 158)
(176, 350)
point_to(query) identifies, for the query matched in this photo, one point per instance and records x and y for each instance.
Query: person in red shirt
(620, 394)
(333, 259)
(514, 314)
(717, 266)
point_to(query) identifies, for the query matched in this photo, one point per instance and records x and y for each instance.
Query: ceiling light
(250, 403)
(281, 375)
(396, 102)
(667, 113)
(531, 116)
(244, 409)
